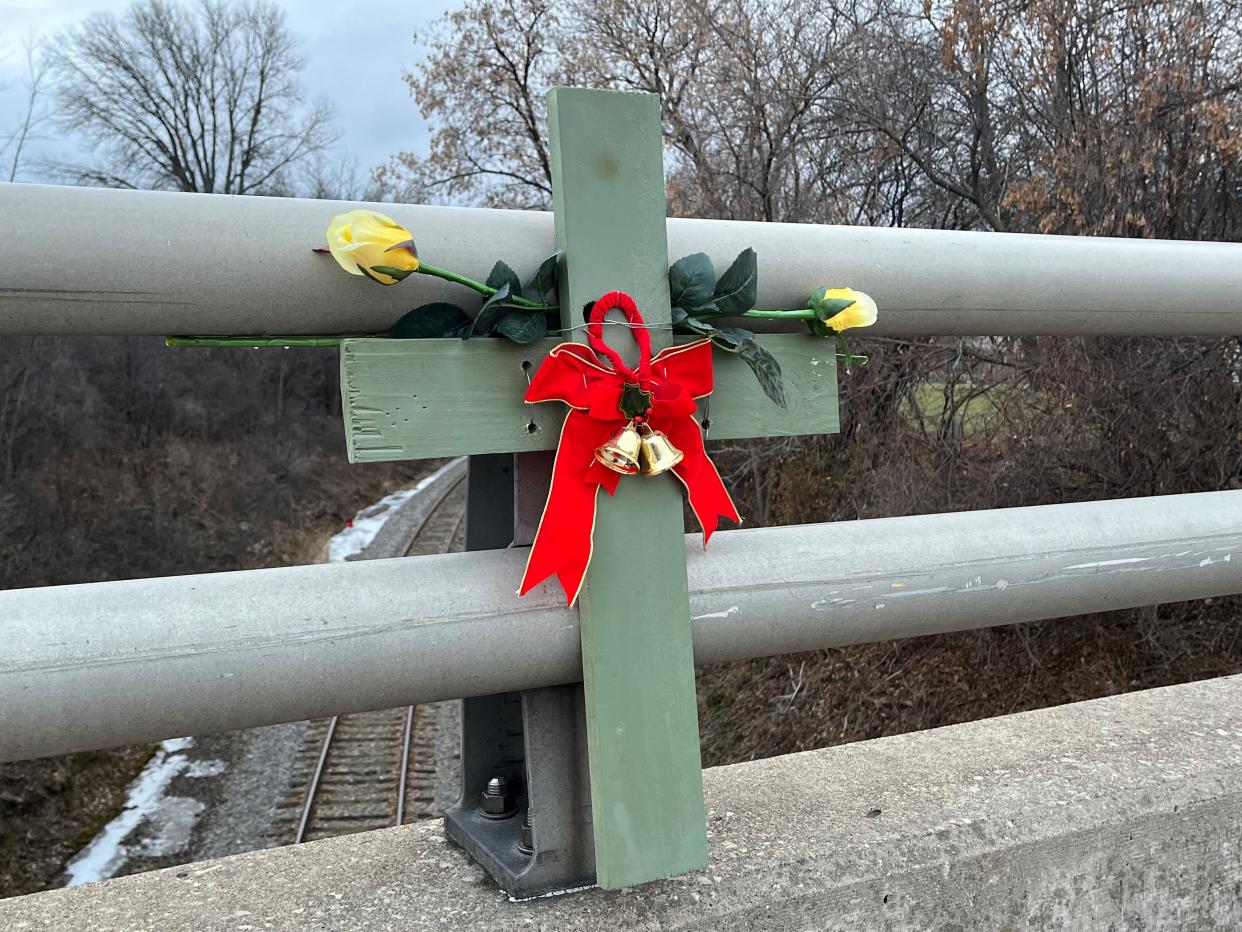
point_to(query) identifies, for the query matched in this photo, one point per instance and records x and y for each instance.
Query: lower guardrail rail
(103, 664)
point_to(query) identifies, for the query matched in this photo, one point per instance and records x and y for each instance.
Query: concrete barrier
(1120, 813)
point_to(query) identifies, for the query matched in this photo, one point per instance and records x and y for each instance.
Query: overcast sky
(355, 54)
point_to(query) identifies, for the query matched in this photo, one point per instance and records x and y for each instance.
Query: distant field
(978, 417)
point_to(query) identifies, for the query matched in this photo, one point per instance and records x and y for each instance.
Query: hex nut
(526, 844)
(498, 800)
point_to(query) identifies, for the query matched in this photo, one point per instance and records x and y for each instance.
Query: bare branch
(193, 96)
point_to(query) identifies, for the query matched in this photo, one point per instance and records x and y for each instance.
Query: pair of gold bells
(637, 449)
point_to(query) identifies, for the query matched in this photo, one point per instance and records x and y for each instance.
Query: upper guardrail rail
(94, 261)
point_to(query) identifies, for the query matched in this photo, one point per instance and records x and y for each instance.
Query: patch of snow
(172, 825)
(170, 817)
(205, 768)
(367, 523)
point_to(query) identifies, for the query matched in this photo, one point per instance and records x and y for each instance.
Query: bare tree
(334, 177)
(1131, 118)
(483, 83)
(747, 91)
(745, 85)
(33, 114)
(189, 97)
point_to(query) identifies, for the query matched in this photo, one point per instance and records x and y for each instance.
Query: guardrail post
(491, 726)
(534, 740)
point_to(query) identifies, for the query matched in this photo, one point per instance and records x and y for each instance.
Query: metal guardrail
(102, 664)
(165, 263)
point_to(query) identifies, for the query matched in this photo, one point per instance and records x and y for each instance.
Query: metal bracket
(534, 740)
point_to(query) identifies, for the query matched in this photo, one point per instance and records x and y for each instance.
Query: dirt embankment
(50, 808)
(780, 705)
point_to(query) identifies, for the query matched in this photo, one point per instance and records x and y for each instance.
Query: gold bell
(657, 454)
(620, 452)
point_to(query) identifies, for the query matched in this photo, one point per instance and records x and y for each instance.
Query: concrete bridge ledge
(1123, 812)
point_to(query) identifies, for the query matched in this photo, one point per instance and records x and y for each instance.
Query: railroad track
(372, 770)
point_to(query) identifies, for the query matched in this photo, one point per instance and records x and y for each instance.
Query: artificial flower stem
(480, 287)
(801, 314)
(485, 290)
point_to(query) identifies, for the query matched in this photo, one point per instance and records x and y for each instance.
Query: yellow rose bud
(368, 243)
(862, 313)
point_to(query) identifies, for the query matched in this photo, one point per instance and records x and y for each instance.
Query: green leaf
(367, 272)
(490, 314)
(738, 287)
(523, 326)
(731, 339)
(462, 330)
(430, 320)
(502, 275)
(690, 282)
(845, 357)
(767, 370)
(684, 323)
(819, 328)
(390, 270)
(825, 307)
(634, 401)
(542, 286)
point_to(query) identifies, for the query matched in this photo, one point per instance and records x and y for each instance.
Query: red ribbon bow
(573, 374)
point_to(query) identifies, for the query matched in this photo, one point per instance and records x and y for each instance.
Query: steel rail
(407, 733)
(312, 788)
(408, 729)
(104, 664)
(170, 263)
(443, 483)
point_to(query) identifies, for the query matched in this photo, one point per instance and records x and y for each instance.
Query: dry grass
(780, 705)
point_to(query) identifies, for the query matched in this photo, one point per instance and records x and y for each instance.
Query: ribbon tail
(563, 542)
(709, 499)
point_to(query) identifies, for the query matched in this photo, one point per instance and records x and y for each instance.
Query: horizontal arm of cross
(417, 399)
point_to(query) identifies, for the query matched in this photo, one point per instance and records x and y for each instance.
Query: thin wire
(621, 323)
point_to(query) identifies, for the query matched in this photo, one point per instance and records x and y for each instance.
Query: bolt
(497, 799)
(527, 843)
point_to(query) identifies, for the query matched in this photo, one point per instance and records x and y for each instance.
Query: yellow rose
(862, 313)
(368, 243)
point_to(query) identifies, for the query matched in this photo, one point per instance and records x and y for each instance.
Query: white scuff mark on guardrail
(731, 610)
(1099, 563)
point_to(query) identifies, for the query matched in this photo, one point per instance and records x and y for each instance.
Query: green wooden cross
(411, 399)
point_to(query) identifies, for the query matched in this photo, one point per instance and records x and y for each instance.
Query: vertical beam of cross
(638, 666)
